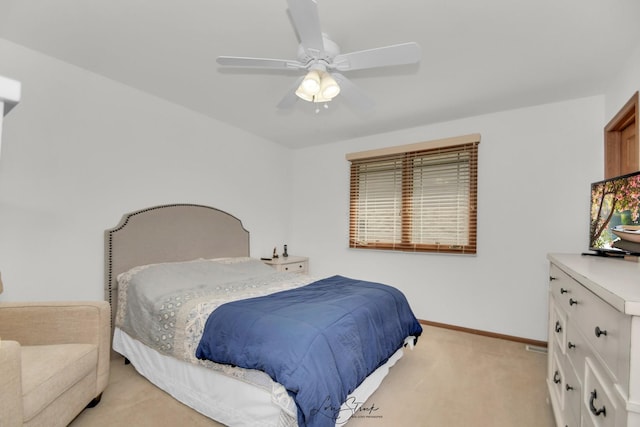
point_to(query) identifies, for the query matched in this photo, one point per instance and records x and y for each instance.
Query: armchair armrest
(11, 389)
(57, 322)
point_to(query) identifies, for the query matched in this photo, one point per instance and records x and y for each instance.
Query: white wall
(624, 83)
(81, 150)
(535, 167)
(1, 119)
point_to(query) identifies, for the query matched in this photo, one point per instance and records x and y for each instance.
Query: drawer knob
(568, 387)
(599, 332)
(572, 301)
(558, 326)
(571, 345)
(592, 407)
(556, 377)
(551, 278)
(563, 291)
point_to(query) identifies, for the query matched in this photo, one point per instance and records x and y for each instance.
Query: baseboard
(485, 333)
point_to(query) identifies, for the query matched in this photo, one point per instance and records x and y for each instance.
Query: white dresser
(594, 341)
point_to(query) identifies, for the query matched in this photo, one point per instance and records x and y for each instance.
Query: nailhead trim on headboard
(217, 215)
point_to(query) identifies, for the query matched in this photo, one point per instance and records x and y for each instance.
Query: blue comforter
(319, 341)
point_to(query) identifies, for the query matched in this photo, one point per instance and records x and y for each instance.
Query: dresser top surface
(615, 280)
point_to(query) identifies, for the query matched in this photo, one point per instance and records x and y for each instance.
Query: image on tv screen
(615, 206)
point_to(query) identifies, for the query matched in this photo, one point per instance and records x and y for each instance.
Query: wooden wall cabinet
(621, 148)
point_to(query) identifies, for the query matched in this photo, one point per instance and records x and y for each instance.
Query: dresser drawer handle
(556, 377)
(571, 345)
(572, 301)
(551, 278)
(599, 332)
(563, 291)
(558, 326)
(592, 407)
(568, 387)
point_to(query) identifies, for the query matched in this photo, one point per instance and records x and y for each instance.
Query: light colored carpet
(451, 379)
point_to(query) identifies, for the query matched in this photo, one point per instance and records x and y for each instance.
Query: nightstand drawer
(298, 267)
(290, 264)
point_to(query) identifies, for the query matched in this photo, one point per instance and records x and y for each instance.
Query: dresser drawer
(557, 381)
(604, 327)
(577, 349)
(562, 286)
(599, 403)
(565, 389)
(572, 391)
(558, 326)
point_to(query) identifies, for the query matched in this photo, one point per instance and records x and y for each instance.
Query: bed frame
(176, 232)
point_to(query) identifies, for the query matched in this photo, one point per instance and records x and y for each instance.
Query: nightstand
(293, 264)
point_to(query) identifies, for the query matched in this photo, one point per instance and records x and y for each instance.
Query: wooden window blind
(420, 197)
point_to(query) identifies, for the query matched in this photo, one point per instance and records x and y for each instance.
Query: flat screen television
(615, 206)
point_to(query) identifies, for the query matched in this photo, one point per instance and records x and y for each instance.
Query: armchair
(54, 360)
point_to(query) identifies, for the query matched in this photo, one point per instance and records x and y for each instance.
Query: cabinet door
(621, 151)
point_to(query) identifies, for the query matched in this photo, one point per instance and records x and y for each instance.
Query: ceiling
(477, 56)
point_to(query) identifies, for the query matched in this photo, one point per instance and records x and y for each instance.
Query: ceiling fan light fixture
(300, 92)
(329, 87)
(311, 82)
(318, 86)
(317, 53)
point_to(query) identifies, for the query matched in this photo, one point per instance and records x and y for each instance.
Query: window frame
(467, 144)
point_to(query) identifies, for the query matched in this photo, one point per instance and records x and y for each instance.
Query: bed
(162, 331)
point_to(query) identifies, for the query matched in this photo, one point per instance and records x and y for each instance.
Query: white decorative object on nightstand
(593, 371)
(293, 264)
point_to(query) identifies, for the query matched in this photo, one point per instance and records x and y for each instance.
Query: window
(419, 197)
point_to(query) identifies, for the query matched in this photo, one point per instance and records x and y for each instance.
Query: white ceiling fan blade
(238, 61)
(352, 94)
(399, 54)
(306, 20)
(290, 98)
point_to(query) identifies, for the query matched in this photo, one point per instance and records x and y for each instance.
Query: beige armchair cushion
(10, 384)
(41, 385)
(55, 359)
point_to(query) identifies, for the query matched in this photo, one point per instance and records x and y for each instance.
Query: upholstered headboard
(177, 232)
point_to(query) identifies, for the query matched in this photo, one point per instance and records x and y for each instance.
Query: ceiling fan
(320, 57)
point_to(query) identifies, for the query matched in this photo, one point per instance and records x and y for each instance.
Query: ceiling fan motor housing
(309, 56)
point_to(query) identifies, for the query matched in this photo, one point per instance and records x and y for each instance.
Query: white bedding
(231, 395)
(224, 397)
